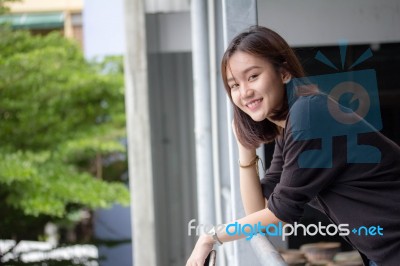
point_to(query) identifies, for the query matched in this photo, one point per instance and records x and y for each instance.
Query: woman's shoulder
(319, 116)
(302, 103)
(305, 110)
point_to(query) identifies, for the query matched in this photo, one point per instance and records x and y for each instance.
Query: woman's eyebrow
(250, 68)
(244, 72)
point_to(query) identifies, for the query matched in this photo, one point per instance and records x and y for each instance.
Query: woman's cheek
(235, 99)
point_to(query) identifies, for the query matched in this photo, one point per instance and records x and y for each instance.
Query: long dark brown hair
(265, 43)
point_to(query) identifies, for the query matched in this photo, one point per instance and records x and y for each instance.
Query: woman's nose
(246, 91)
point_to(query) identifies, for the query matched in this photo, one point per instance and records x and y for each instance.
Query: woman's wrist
(246, 155)
(207, 239)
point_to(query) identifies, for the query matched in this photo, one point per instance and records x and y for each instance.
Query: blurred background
(115, 127)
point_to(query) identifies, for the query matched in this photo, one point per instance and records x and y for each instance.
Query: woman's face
(256, 87)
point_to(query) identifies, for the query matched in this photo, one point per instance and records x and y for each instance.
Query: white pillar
(202, 113)
(138, 132)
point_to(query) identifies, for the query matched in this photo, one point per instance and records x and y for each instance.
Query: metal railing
(266, 253)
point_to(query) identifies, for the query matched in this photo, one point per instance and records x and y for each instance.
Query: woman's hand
(246, 151)
(200, 252)
(234, 130)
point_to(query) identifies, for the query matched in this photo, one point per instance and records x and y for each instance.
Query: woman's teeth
(253, 104)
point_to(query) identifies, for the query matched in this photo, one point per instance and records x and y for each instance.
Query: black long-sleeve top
(358, 194)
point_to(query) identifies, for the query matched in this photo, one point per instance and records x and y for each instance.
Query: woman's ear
(285, 75)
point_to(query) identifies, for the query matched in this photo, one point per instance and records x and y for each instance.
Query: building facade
(44, 16)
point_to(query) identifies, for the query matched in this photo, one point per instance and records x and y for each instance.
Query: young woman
(256, 69)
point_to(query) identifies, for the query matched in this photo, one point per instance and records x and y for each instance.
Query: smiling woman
(259, 71)
(256, 88)
(243, 68)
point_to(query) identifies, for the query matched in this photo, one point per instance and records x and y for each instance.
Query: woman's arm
(253, 201)
(250, 187)
(205, 243)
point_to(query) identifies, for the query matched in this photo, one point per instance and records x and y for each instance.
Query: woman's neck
(280, 123)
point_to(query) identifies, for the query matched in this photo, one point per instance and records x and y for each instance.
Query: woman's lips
(254, 104)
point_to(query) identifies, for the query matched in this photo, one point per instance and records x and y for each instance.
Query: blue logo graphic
(339, 104)
(368, 231)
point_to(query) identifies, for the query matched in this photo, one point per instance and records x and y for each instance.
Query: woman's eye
(234, 86)
(252, 77)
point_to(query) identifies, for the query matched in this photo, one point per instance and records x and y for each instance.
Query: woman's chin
(257, 118)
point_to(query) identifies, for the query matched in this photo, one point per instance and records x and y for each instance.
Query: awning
(34, 20)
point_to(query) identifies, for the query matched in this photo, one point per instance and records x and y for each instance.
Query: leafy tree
(61, 119)
(3, 5)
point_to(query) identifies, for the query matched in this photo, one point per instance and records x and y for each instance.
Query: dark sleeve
(273, 174)
(307, 168)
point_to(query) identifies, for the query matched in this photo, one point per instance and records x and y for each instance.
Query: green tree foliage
(3, 5)
(60, 118)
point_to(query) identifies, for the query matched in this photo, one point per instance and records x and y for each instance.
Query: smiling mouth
(253, 104)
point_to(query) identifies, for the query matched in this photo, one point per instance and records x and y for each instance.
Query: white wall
(325, 22)
(168, 32)
(164, 6)
(103, 28)
(301, 23)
